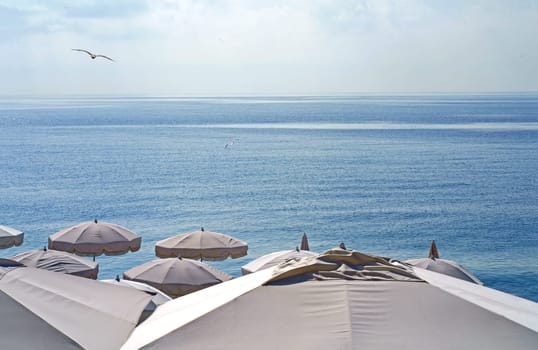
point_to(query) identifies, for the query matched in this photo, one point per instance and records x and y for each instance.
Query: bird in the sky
(94, 56)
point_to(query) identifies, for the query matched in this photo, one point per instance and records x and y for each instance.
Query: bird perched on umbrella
(94, 56)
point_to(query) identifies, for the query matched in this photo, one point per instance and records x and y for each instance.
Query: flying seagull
(94, 56)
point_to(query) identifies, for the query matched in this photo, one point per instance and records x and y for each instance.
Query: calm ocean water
(385, 175)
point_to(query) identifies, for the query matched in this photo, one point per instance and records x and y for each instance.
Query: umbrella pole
(94, 258)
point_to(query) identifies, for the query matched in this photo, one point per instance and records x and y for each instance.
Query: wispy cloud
(277, 47)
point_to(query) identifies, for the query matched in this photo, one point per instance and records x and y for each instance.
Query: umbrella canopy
(274, 259)
(58, 261)
(201, 244)
(342, 300)
(157, 297)
(46, 310)
(10, 237)
(304, 242)
(95, 238)
(176, 276)
(446, 267)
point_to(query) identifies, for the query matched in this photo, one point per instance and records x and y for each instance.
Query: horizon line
(275, 95)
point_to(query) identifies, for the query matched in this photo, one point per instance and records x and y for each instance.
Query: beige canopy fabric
(201, 244)
(344, 264)
(447, 267)
(10, 237)
(58, 261)
(41, 309)
(176, 276)
(274, 259)
(343, 314)
(94, 238)
(312, 310)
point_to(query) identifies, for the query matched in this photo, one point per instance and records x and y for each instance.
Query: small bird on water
(94, 56)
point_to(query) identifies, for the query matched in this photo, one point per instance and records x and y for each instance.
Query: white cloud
(236, 47)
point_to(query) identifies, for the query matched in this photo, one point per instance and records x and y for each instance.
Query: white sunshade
(446, 267)
(10, 237)
(58, 261)
(157, 297)
(201, 244)
(94, 238)
(176, 276)
(47, 310)
(351, 307)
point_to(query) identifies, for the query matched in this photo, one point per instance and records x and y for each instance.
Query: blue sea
(384, 174)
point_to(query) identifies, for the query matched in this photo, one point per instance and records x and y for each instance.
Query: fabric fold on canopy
(58, 261)
(344, 264)
(274, 259)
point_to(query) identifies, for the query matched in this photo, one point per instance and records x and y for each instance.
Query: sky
(273, 47)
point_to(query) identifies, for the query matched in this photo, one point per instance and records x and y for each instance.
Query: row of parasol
(176, 273)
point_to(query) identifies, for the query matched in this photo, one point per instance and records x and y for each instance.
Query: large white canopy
(41, 309)
(360, 302)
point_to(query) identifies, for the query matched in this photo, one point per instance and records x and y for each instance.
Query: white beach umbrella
(41, 309)
(444, 266)
(273, 259)
(342, 300)
(58, 261)
(10, 237)
(94, 238)
(201, 244)
(157, 296)
(176, 276)
(447, 267)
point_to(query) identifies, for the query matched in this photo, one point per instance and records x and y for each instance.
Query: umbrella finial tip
(44, 248)
(95, 220)
(202, 229)
(433, 253)
(118, 278)
(296, 248)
